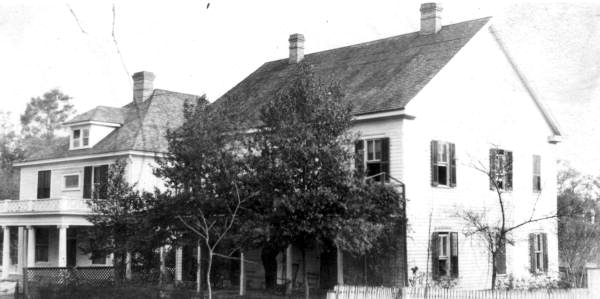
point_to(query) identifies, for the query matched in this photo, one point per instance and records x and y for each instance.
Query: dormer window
(81, 138)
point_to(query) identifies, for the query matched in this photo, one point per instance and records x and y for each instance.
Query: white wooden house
(429, 106)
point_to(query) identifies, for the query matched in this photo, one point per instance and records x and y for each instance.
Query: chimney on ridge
(296, 47)
(143, 86)
(431, 18)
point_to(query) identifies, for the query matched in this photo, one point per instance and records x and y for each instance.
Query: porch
(44, 233)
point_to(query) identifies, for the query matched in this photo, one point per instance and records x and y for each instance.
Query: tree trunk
(494, 270)
(208, 268)
(305, 275)
(269, 260)
(128, 273)
(199, 269)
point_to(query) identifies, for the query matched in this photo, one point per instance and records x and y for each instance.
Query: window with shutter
(372, 157)
(501, 173)
(443, 163)
(100, 179)
(43, 185)
(538, 251)
(444, 254)
(537, 173)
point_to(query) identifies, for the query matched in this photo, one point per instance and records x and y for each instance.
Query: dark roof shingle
(376, 76)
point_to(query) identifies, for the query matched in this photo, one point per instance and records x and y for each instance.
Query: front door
(71, 252)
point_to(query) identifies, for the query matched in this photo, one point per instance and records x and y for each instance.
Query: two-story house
(45, 224)
(434, 108)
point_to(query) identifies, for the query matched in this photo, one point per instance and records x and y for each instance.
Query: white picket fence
(354, 292)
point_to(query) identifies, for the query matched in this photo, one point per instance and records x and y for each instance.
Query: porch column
(340, 266)
(288, 270)
(30, 246)
(20, 249)
(6, 252)
(242, 275)
(62, 245)
(178, 264)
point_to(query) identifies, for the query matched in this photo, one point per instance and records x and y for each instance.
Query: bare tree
(497, 233)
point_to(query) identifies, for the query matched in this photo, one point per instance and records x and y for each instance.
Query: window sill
(443, 187)
(71, 189)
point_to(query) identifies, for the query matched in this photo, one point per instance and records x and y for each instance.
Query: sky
(206, 47)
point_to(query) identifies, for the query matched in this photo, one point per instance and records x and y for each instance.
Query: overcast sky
(198, 48)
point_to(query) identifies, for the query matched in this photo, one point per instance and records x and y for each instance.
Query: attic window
(81, 138)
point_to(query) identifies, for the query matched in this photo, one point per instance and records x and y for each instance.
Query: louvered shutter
(434, 174)
(501, 260)
(452, 162)
(532, 253)
(509, 173)
(493, 170)
(87, 182)
(359, 157)
(385, 157)
(545, 251)
(454, 254)
(435, 254)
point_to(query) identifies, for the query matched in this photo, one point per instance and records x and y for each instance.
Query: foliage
(119, 219)
(9, 153)
(203, 170)
(578, 231)
(301, 170)
(44, 115)
(534, 282)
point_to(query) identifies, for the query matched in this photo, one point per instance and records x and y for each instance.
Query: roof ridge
(175, 92)
(368, 43)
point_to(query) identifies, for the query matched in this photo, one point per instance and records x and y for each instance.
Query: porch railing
(44, 206)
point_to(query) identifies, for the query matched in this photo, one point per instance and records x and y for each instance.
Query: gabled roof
(101, 114)
(144, 127)
(376, 76)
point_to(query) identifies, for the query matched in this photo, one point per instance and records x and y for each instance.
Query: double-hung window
(443, 163)
(501, 169)
(538, 252)
(537, 173)
(71, 181)
(444, 254)
(372, 158)
(81, 138)
(95, 179)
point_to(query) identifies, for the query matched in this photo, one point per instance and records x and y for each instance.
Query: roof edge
(87, 157)
(550, 121)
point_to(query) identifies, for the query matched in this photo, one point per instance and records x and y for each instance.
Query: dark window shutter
(454, 254)
(493, 170)
(385, 157)
(359, 156)
(501, 260)
(434, 173)
(100, 181)
(43, 187)
(545, 251)
(509, 172)
(87, 182)
(532, 253)
(452, 161)
(435, 254)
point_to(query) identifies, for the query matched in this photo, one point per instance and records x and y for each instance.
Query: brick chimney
(143, 86)
(296, 47)
(431, 18)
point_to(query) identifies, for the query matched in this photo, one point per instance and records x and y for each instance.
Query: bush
(110, 292)
(534, 282)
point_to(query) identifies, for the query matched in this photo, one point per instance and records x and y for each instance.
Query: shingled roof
(143, 127)
(376, 76)
(101, 114)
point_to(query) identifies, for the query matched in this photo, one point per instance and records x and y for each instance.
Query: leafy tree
(118, 214)
(301, 169)
(203, 171)
(9, 153)
(44, 115)
(578, 230)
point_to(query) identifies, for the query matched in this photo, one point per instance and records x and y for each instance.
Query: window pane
(75, 142)
(76, 134)
(442, 175)
(71, 181)
(377, 149)
(370, 150)
(86, 137)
